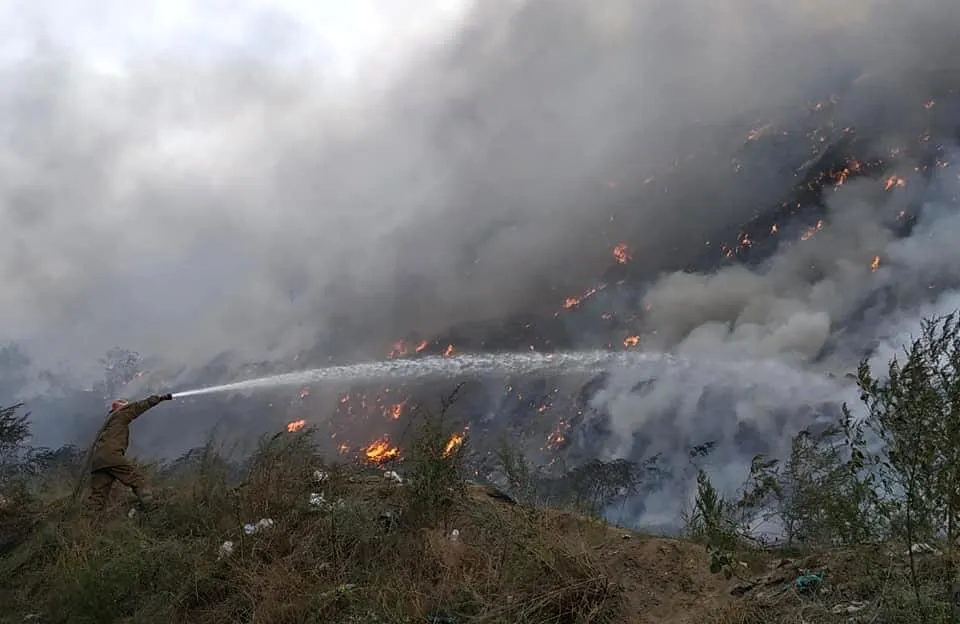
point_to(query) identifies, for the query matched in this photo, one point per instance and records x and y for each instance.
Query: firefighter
(109, 460)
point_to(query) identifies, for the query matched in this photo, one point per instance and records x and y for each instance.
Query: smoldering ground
(243, 206)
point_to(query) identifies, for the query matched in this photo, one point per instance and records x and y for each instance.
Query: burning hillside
(762, 192)
(884, 174)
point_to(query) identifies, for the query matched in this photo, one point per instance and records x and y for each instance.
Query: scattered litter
(320, 476)
(923, 549)
(226, 549)
(808, 582)
(850, 607)
(392, 475)
(320, 502)
(625, 536)
(132, 513)
(262, 524)
(455, 535)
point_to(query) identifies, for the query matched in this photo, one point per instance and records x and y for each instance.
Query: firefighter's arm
(139, 407)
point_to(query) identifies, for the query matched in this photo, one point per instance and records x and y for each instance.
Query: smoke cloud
(252, 183)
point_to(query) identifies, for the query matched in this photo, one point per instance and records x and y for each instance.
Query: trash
(455, 535)
(226, 549)
(320, 502)
(320, 476)
(390, 474)
(808, 582)
(441, 619)
(923, 549)
(132, 513)
(850, 607)
(263, 523)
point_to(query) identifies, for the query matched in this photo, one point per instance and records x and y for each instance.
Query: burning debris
(621, 252)
(380, 451)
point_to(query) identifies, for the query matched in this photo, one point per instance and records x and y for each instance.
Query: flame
(631, 341)
(773, 228)
(343, 448)
(380, 451)
(452, 444)
(304, 393)
(893, 181)
(621, 252)
(450, 351)
(399, 350)
(420, 347)
(396, 410)
(875, 264)
(557, 436)
(571, 302)
(813, 230)
(296, 425)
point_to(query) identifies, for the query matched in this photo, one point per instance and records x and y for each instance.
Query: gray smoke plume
(235, 190)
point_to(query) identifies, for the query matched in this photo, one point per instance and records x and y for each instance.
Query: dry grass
(384, 552)
(343, 563)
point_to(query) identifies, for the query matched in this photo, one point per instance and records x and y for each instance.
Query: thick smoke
(187, 205)
(244, 189)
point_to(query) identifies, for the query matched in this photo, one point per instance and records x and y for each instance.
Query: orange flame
(813, 230)
(452, 444)
(421, 346)
(399, 350)
(875, 264)
(631, 341)
(893, 181)
(380, 451)
(557, 437)
(622, 253)
(296, 425)
(450, 351)
(571, 302)
(396, 410)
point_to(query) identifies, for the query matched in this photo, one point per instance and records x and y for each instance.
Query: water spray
(441, 367)
(485, 365)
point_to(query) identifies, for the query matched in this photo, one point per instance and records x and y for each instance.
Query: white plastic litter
(226, 549)
(260, 525)
(455, 535)
(319, 501)
(132, 513)
(393, 476)
(923, 549)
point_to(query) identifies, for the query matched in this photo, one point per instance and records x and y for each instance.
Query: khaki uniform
(110, 462)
